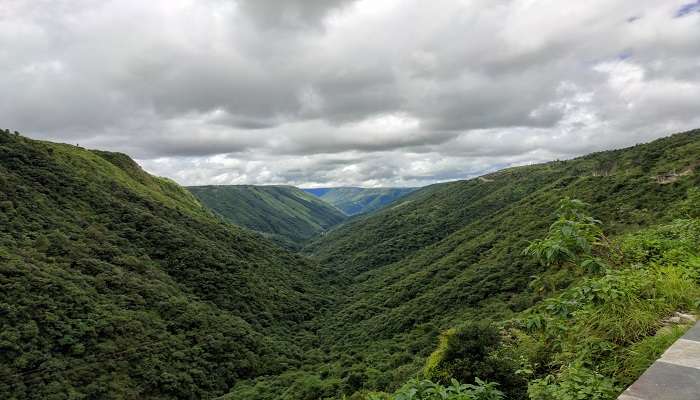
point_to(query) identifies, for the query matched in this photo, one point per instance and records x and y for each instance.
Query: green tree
(690, 208)
(571, 238)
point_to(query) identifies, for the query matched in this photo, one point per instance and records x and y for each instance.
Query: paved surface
(675, 376)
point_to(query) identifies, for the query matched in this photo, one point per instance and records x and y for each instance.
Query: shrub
(428, 390)
(575, 382)
(468, 353)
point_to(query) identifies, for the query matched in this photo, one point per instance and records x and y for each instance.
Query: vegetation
(284, 213)
(428, 390)
(593, 339)
(114, 283)
(596, 337)
(117, 284)
(452, 253)
(355, 200)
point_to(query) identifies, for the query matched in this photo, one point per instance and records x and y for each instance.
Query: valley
(285, 214)
(119, 284)
(355, 200)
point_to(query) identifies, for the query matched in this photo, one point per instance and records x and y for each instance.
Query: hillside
(118, 284)
(623, 186)
(284, 213)
(453, 252)
(115, 283)
(356, 200)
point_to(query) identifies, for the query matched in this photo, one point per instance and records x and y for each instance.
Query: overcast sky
(342, 92)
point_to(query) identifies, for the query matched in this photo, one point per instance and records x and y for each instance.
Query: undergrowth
(594, 338)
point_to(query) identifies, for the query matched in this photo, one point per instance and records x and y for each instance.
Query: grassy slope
(275, 210)
(452, 252)
(117, 284)
(589, 341)
(355, 200)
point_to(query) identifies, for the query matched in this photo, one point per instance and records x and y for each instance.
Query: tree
(571, 238)
(467, 354)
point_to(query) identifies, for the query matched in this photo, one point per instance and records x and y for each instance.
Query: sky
(348, 93)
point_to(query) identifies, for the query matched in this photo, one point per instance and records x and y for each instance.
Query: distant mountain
(285, 213)
(118, 284)
(356, 200)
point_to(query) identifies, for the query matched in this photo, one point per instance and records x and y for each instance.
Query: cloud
(290, 14)
(362, 92)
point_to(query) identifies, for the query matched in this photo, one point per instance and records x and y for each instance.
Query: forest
(285, 214)
(551, 281)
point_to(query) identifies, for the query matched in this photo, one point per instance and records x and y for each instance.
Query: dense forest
(550, 281)
(117, 284)
(284, 213)
(356, 200)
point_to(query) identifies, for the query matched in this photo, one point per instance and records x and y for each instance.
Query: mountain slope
(280, 211)
(452, 252)
(621, 184)
(356, 200)
(117, 284)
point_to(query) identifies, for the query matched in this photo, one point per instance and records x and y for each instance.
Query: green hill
(450, 253)
(356, 200)
(118, 284)
(282, 212)
(621, 184)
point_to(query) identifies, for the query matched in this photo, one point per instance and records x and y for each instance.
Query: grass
(638, 357)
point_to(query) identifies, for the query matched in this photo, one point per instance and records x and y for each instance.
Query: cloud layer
(342, 92)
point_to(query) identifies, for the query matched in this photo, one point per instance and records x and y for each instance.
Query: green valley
(349, 200)
(284, 213)
(545, 282)
(452, 253)
(355, 200)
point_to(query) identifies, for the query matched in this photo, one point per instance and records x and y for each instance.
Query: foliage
(573, 383)
(468, 353)
(571, 238)
(603, 332)
(690, 208)
(428, 390)
(117, 284)
(284, 213)
(452, 252)
(593, 339)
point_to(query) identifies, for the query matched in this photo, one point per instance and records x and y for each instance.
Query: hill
(115, 283)
(626, 187)
(284, 213)
(118, 284)
(452, 252)
(356, 200)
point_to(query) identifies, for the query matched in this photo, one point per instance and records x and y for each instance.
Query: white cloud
(366, 92)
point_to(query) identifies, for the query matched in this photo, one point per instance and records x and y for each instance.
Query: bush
(467, 353)
(574, 383)
(428, 390)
